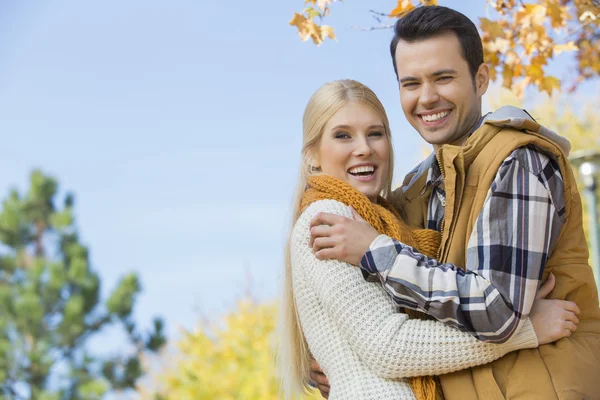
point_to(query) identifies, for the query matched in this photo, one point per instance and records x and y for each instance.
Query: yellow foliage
(228, 361)
(535, 30)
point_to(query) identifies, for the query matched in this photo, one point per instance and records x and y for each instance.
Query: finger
(324, 390)
(547, 287)
(314, 365)
(569, 316)
(570, 306)
(329, 253)
(323, 243)
(570, 326)
(319, 231)
(319, 379)
(326, 219)
(356, 215)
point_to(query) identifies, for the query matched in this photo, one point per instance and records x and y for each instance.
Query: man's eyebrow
(444, 72)
(448, 71)
(408, 78)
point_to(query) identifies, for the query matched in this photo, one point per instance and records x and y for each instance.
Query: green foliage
(50, 305)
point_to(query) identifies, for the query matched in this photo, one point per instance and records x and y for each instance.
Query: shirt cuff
(381, 251)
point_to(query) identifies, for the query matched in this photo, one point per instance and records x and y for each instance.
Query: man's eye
(444, 78)
(410, 84)
(342, 135)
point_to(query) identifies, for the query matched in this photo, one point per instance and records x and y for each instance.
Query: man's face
(438, 95)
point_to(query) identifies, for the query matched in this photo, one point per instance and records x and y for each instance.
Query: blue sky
(178, 127)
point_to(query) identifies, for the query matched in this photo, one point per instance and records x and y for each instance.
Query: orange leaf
(403, 6)
(557, 14)
(493, 28)
(298, 21)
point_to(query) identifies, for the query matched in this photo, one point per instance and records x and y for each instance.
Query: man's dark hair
(428, 21)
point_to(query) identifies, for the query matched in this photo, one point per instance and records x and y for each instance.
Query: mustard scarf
(387, 221)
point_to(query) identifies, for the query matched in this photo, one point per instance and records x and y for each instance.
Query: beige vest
(566, 369)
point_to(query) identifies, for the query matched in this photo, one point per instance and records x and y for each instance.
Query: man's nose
(429, 95)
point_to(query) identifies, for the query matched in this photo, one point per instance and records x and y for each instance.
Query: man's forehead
(429, 55)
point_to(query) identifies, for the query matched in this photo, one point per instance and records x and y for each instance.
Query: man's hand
(341, 238)
(318, 378)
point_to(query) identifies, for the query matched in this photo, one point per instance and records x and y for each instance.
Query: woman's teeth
(365, 170)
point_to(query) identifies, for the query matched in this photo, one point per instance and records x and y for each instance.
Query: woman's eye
(342, 135)
(376, 133)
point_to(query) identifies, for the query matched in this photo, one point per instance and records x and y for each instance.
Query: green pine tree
(50, 305)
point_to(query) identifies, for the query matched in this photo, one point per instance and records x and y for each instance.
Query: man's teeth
(435, 117)
(362, 170)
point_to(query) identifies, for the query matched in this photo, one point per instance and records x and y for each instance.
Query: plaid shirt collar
(434, 175)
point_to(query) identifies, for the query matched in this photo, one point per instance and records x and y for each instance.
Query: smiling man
(501, 191)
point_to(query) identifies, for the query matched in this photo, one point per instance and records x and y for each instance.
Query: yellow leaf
(298, 21)
(499, 45)
(429, 2)
(311, 13)
(534, 72)
(403, 6)
(507, 77)
(327, 31)
(548, 84)
(493, 28)
(537, 13)
(570, 46)
(557, 14)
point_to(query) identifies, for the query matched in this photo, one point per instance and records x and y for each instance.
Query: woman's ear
(313, 162)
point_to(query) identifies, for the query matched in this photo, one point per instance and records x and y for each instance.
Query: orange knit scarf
(385, 220)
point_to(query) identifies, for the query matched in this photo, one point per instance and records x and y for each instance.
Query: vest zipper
(439, 252)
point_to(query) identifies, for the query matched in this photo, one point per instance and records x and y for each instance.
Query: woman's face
(355, 149)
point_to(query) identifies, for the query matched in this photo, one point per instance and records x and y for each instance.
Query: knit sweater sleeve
(388, 342)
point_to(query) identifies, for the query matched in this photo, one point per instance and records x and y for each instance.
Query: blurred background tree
(50, 305)
(520, 38)
(227, 360)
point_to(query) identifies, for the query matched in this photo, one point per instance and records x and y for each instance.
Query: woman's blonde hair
(293, 355)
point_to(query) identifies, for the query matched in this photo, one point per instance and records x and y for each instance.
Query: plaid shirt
(515, 232)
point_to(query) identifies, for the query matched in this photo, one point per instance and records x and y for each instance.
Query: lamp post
(588, 162)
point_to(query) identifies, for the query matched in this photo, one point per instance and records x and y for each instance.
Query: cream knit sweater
(364, 345)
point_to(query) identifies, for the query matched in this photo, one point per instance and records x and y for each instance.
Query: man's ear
(482, 79)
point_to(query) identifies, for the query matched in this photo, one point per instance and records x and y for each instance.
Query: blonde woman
(366, 346)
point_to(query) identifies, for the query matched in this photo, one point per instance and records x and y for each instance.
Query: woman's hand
(552, 319)
(318, 379)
